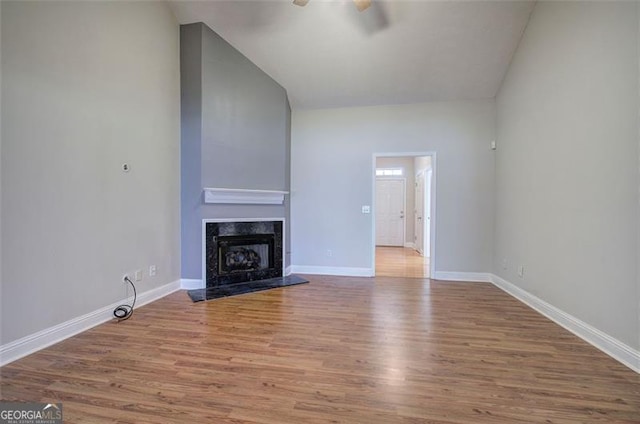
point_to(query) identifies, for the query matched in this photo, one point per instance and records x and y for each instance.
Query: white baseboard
(332, 270)
(52, 335)
(477, 277)
(287, 271)
(191, 284)
(609, 345)
(410, 245)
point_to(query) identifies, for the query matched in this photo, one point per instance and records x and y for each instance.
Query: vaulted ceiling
(328, 54)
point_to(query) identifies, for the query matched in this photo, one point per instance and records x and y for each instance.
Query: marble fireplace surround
(242, 282)
(214, 228)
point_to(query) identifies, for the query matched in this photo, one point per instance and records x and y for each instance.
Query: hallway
(400, 262)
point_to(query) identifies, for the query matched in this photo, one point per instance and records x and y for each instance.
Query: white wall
(0, 176)
(332, 155)
(86, 86)
(567, 164)
(406, 164)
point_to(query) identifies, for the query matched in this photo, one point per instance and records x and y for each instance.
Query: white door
(389, 212)
(419, 214)
(427, 212)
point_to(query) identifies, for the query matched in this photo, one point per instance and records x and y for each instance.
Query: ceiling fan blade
(300, 2)
(362, 4)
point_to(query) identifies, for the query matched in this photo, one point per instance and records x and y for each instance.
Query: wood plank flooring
(336, 350)
(400, 262)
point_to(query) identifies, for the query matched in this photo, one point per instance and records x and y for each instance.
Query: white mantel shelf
(240, 196)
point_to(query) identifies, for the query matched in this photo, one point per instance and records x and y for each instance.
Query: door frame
(432, 222)
(427, 176)
(428, 197)
(404, 203)
(420, 175)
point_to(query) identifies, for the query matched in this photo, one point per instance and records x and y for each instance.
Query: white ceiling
(329, 55)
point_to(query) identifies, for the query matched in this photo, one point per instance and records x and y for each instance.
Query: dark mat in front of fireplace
(217, 292)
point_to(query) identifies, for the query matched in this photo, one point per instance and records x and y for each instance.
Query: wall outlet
(521, 271)
(125, 277)
(138, 275)
(329, 252)
(152, 271)
(505, 264)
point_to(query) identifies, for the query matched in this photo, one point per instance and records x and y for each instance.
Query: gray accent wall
(235, 134)
(190, 144)
(86, 87)
(567, 164)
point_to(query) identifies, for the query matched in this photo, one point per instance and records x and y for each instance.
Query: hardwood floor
(400, 262)
(336, 350)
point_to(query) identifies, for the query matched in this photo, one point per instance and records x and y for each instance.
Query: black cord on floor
(125, 311)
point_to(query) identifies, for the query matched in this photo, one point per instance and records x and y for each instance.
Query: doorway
(403, 215)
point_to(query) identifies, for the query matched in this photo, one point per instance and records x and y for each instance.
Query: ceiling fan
(360, 4)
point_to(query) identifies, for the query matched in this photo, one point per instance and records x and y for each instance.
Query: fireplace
(241, 251)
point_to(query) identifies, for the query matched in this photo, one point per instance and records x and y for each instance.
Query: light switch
(366, 209)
